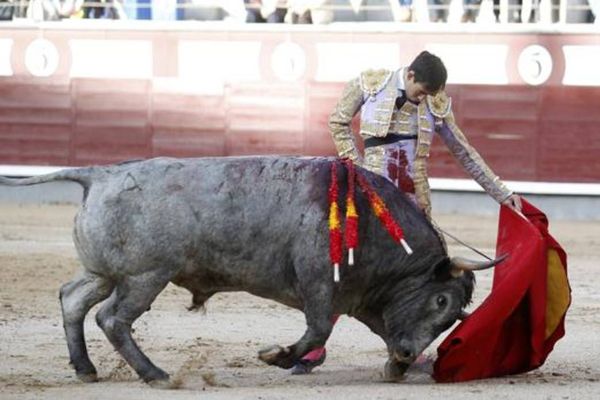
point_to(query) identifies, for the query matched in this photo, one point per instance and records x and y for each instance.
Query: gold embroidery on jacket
(340, 121)
(373, 81)
(380, 89)
(440, 104)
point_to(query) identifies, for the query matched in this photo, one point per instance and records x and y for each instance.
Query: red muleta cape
(517, 325)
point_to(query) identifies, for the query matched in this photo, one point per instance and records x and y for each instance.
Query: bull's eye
(441, 301)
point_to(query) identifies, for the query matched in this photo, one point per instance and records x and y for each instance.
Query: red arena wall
(77, 95)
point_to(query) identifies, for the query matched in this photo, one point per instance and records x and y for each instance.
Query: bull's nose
(404, 355)
(407, 353)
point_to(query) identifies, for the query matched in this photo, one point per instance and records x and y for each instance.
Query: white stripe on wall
(340, 62)
(477, 64)
(5, 51)
(211, 64)
(100, 58)
(522, 187)
(582, 65)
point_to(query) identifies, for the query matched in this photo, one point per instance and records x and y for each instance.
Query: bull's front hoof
(161, 384)
(394, 371)
(89, 377)
(277, 355)
(157, 378)
(85, 371)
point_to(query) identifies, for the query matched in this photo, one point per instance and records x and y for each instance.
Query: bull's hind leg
(76, 299)
(131, 297)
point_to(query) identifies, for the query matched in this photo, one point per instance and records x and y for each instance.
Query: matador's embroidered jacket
(404, 162)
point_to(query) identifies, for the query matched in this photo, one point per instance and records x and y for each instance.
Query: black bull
(255, 224)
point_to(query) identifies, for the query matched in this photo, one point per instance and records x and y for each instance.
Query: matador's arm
(471, 161)
(440, 106)
(340, 121)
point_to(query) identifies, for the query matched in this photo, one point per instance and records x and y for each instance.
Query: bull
(254, 224)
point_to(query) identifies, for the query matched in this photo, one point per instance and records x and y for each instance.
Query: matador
(398, 132)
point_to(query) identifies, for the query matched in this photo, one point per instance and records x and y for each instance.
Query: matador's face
(415, 91)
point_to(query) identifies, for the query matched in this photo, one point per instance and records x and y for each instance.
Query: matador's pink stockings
(317, 353)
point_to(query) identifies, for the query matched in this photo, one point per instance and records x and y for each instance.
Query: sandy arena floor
(213, 355)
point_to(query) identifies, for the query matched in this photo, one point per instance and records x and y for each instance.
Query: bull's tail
(83, 176)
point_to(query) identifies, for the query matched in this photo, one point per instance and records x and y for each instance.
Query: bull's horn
(460, 264)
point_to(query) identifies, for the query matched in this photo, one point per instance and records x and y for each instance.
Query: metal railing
(319, 11)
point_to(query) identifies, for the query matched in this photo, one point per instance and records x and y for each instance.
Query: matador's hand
(514, 203)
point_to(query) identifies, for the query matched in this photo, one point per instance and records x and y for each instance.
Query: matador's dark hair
(430, 70)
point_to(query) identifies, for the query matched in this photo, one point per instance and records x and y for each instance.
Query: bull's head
(418, 315)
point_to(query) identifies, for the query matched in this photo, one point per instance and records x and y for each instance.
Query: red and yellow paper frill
(351, 225)
(382, 212)
(335, 225)
(351, 214)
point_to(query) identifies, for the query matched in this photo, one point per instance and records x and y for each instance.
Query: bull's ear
(442, 270)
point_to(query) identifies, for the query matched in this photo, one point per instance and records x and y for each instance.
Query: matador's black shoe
(304, 367)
